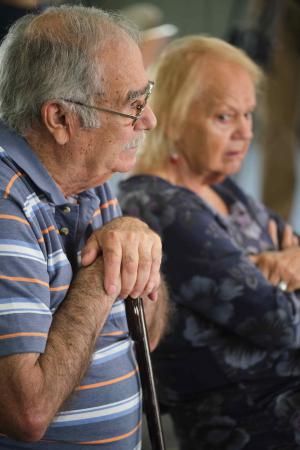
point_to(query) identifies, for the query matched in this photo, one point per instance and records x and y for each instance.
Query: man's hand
(130, 249)
(280, 266)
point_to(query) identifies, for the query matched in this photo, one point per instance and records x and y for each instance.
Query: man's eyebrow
(132, 95)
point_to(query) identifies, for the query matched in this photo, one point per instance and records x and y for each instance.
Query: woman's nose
(245, 129)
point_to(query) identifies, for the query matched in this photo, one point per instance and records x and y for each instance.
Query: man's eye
(138, 106)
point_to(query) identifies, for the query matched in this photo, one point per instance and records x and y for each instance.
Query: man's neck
(51, 156)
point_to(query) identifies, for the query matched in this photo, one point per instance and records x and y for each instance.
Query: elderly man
(73, 93)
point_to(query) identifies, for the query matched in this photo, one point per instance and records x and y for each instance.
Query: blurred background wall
(191, 16)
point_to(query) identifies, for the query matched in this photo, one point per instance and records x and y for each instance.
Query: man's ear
(57, 120)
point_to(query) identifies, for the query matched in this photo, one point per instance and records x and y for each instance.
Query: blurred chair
(155, 34)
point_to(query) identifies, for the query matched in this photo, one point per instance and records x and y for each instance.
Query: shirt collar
(21, 153)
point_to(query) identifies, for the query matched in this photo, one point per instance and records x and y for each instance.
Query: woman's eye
(224, 117)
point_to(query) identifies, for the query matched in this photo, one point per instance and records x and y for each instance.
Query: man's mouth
(134, 144)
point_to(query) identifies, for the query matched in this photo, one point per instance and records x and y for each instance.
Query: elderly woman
(228, 371)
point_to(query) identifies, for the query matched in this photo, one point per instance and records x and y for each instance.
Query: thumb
(253, 258)
(90, 251)
(273, 232)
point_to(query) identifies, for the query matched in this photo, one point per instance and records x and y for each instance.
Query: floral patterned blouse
(233, 334)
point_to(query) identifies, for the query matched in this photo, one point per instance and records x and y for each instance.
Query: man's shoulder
(12, 180)
(7, 169)
(108, 203)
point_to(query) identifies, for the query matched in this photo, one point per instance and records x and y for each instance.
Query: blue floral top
(232, 332)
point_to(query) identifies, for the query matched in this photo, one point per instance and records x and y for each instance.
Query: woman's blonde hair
(176, 86)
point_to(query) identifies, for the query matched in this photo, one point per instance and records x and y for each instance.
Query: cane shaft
(138, 332)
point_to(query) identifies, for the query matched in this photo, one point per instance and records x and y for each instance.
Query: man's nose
(147, 121)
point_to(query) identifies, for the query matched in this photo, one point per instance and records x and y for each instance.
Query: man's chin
(128, 165)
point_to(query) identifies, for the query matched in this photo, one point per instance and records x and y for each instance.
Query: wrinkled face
(218, 127)
(112, 147)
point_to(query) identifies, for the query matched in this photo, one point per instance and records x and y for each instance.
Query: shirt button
(67, 209)
(64, 231)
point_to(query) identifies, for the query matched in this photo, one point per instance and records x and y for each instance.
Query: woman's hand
(280, 266)
(289, 238)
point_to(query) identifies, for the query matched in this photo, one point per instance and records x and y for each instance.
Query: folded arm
(211, 276)
(282, 264)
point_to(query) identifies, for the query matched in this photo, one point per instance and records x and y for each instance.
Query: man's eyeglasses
(140, 108)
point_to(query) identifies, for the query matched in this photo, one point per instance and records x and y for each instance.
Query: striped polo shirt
(41, 236)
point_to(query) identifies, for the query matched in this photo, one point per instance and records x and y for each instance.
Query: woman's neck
(191, 181)
(182, 176)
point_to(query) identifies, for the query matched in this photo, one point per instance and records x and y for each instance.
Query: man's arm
(33, 386)
(125, 253)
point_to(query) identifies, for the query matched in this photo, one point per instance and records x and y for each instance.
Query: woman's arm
(282, 265)
(211, 276)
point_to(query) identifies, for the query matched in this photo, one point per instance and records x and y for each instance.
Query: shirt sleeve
(25, 315)
(210, 275)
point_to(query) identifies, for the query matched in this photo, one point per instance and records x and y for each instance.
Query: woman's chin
(233, 167)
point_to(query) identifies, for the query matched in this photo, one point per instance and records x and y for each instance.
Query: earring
(174, 157)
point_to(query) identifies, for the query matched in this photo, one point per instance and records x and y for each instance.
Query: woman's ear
(57, 120)
(173, 132)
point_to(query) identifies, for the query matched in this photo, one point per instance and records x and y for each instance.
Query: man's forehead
(122, 90)
(124, 72)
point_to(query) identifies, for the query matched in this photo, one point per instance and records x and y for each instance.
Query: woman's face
(218, 126)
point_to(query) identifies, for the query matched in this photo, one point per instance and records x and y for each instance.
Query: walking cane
(138, 332)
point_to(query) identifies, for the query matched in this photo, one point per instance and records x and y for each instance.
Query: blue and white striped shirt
(41, 236)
